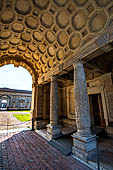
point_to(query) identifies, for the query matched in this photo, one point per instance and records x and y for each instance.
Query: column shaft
(34, 104)
(53, 129)
(84, 144)
(81, 101)
(54, 102)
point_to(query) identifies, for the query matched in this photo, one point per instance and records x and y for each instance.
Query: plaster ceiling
(44, 33)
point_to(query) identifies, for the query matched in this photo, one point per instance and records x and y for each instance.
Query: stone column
(53, 129)
(84, 143)
(39, 116)
(34, 103)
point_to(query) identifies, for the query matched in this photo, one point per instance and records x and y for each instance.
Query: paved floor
(106, 153)
(105, 147)
(29, 151)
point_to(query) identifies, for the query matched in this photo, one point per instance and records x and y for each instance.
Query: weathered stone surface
(47, 20)
(97, 22)
(42, 48)
(14, 41)
(1, 5)
(80, 2)
(7, 16)
(12, 51)
(62, 38)
(38, 65)
(23, 6)
(53, 129)
(54, 102)
(102, 3)
(50, 36)
(17, 27)
(60, 54)
(28, 55)
(62, 19)
(60, 3)
(43, 59)
(5, 34)
(74, 41)
(84, 147)
(26, 37)
(22, 48)
(31, 22)
(50, 63)
(43, 69)
(4, 47)
(41, 4)
(83, 121)
(36, 56)
(79, 20)
(37, 36)
(31, 47)
(66, 24)
(84, 144)
(51, 51)
(103, 40)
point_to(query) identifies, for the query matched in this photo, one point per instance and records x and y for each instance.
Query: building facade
(12, 99)
(67, 46)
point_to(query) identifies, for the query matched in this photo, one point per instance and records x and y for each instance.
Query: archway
(17, 61)
(4, 104)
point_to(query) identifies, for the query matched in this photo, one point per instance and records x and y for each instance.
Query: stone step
(99, 131)
(64, 150)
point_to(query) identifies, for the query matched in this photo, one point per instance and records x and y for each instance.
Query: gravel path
(4, 116)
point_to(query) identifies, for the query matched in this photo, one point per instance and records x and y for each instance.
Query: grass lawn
(23, 117)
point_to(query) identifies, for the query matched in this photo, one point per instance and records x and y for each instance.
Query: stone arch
(19, 61)
(4, 101)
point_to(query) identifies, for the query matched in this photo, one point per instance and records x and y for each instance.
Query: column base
(54, 131)
(41, 124)
(32, 126)
(84, 147)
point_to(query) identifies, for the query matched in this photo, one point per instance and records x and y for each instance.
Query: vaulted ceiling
(45, 33)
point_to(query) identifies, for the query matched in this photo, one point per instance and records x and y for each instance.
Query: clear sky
(15, 77)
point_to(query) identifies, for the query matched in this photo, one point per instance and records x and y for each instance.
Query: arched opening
(3, 104)
(22, 100)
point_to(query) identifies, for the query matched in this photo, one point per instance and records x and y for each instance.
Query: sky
(15, 78)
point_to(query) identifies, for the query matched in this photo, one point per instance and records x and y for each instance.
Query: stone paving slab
(27, 150)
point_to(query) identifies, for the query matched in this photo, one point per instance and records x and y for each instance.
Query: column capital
(35, 83)
(78, 62)
(53, 78)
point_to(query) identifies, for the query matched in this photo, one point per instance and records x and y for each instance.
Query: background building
(13, 99)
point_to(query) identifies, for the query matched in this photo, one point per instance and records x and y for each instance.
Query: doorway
(96, 110)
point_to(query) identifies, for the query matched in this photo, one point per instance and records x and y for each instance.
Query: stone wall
(66, 106)
(15, 100)
(102, 85)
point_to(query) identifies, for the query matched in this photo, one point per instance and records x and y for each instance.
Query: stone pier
(84, 143)
(53, 129)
